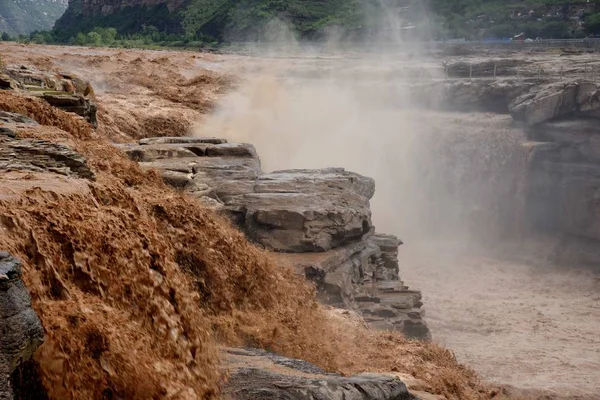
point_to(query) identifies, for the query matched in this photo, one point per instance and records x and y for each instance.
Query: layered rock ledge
(20, 328)
(259, 375)
(317, 221)
(65, 91)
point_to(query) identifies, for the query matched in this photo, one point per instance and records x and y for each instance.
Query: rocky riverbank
(127, 275)
(101, 298)
(317, 221)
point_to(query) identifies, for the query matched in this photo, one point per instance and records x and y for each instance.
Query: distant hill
(20, 17)
(229, 19)
(208, 20)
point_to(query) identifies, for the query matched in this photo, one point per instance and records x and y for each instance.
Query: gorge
(480, 178)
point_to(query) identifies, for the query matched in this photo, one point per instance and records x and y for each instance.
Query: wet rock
(258, 375)
(180, 140)
(67, 92)
(217, 173)
(7, 83)
(388, 244)
(317, 221)
(335, 272)
(309, 210)
(15, 118)
(159, 152)
(393, 306)
(73, 103)
(40, 156)
(7, 132)
(21, 331)
(350, 277)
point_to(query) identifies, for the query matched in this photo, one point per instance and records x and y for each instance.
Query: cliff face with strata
(20, 17)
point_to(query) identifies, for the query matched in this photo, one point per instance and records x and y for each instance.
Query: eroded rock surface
(554, 100)
(64, 91)
(39, 156)
(21, 331)
(308, 210)
(36, 155)
(259, 375)
(317, 221)
(483, 95)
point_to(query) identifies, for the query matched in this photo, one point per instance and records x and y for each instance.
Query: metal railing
(584, 42)
(492, 71)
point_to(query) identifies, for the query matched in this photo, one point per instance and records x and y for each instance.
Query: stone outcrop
(555, 100)
(40, 156)
(483, 95)
(34, 155)
(316, 221)
(259, 375)
(308, 210)
(67, 92)
(562, 121)
(73, 103)
(21, 331)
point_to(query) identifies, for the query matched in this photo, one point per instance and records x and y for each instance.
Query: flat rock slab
(41, 156)
(259, 375)
(554, 100)
(286, 211)
(180, 140)
(309, 210)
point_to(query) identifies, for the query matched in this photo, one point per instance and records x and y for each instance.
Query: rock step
(180, 140)
(172, 150)
(40, 156)
(259, 375)
(387, 311)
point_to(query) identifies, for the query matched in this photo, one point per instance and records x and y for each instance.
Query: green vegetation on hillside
(19, 17)
(210, 21)
(475, 19)
(241, 20)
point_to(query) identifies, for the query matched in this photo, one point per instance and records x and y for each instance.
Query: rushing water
(453, 187)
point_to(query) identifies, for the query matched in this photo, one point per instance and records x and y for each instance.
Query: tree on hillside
(592, 24)
(94, 39)
(108, 35)
(555, 30)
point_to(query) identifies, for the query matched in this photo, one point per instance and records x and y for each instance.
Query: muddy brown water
(517, 321)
